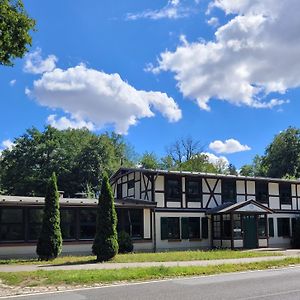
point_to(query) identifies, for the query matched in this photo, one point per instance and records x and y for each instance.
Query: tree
(247, 170)
(15, 25)
(183, 149)
(77, 156)
(282, 155)
(198, 163)
(149, 161)
(49, 244)
(232, 170)
(105, 245)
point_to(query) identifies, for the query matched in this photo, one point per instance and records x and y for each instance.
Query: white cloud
(229, 146)
(34, 63)
(65, 123)
(172, 10)
(13, 82)
(213, 21)
(221, 162)
(257, 52)
(6, 144)
(104, 99)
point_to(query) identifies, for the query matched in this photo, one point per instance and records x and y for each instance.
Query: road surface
(269, 284)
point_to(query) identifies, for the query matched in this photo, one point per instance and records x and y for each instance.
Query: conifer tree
(105, 245)
(49, 244)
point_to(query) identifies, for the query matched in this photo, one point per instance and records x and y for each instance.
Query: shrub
(125, 242)
(105, 245)
(49, 244)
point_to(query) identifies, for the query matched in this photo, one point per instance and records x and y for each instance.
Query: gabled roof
(124, 170)
(250, 206)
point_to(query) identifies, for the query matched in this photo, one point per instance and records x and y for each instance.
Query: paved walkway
(106, 266)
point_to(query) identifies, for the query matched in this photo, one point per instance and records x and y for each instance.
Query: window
(283, 227)
(173, 189)
(285, 193)
(170, 228)
(131, 221)
(87, 223)
(217, 227)
(271, 227)
(193, 190)
(228, 190)
(130, 184)
(226, 234)
(190, 228)
(68, 223)
(35, 220)
(237, 226)
(262, 226)
(262, 191)
(11, 224)
(119, 191)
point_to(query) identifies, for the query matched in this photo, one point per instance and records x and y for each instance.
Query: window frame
(285, 193)
(193, 197)
(224, 182)
(280, 227)
(167, 222)
(179, 182)
(262, 191)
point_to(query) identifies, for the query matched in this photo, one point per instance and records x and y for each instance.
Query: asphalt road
(270, 284)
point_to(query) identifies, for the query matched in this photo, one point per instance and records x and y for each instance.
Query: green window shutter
(271, 227)
(164, 228)
(279, 227)
(293, 226)
(204, 225)
(184, 228)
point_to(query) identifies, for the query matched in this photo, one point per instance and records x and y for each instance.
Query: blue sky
(159, 70)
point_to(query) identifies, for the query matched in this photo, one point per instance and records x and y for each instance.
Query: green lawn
(149, 257)
(90, 277)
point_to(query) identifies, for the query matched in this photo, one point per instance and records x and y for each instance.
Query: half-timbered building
(164, 210)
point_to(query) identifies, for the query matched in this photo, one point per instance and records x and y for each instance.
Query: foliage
(231, 170)
(149, 161)
(105, 245)
(247, 170)
(77, 156)
(125, 242)
(281, 158)
(14, 28)
(296, 233)
(49, 244)
(183, 150)
(198, 163)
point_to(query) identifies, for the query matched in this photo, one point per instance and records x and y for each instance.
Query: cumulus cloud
(256, 53)
(213, 21)
(66, 123)
(103, 99)
(35, 64)
(229, 146)
(220, 162)
(172, 10)
(6, 144)
(12, 82)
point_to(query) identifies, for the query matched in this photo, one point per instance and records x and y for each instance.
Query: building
(166, 210)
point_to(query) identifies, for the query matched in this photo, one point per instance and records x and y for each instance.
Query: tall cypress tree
(105, 245)
(49, 243)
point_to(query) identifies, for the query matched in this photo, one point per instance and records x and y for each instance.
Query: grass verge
(150, 257)
(90, 277)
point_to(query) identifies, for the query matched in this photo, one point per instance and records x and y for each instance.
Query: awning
(249, 206)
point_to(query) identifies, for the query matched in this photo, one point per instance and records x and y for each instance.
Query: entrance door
(250, 233)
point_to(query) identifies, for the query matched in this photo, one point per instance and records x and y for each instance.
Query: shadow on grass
(72, 263)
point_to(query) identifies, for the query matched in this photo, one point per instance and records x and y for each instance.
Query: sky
(224, 72)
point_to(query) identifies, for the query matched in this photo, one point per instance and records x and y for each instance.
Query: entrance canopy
(249, 206)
